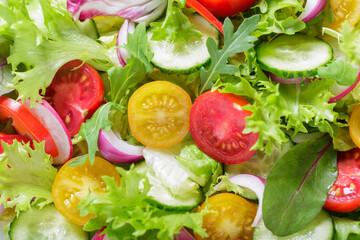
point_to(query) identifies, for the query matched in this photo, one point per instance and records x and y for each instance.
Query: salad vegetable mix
(179, 119)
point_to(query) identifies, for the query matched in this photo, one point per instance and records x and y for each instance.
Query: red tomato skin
(216, 127)
(75, 93)
(226, 8)
(26, 123)
(348, 178)
(9, 139)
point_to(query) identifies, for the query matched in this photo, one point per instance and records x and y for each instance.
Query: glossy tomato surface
(344, 11)
(9, 139)
(217, 122)
(74, 183)
(232, 220)
(75, 93)
(26, 123)
(344, 195)
(226, 8)
(158, 114)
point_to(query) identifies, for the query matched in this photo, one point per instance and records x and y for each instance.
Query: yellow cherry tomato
(354, 126)
(158, 114)
(232, 220)
(72, 184)
(344, 10)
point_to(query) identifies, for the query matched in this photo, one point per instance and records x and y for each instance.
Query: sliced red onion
(183, 235)
(257, 185)
(116, 150)
(99, 236)
(127, 27)
(56, 127)
(278, 79)
(139, 10)
(342, 91)
(312, 9)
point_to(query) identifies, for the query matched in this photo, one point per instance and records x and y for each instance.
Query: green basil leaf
(297, 186)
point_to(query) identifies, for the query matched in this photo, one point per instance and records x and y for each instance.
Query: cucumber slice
(293, 56)
(321, 228)
(45, 224)
(88, 27)
(169, 57)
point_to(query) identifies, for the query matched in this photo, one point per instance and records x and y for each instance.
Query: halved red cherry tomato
(216, 125)
(74, 183)
(75, 93)
(344, 195)
(9, 139)
(232, 218)
(26, 123)
(226, 8)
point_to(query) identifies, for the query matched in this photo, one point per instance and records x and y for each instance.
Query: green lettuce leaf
(45, 38)
(30, 175)
(350, 43)
(346, 229)
(342, 72)
(126, 213)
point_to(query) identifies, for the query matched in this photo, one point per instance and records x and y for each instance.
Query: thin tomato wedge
(158, 114)
(354, 126)
(344, 195)
(232, 220)
(9, 139)
(344, 10)
(217, 122)
(75, 93)
(73, 184)
(26, 123)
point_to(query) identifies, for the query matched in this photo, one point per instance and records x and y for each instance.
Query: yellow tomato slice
(72, 184)
(344, 10)
(232, 220)
(354, 126)
(159, 113)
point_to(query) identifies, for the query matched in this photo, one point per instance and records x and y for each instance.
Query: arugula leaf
(175, 26)
(301, 180)
(43, 42)
(237, 42)
(127, 214)
(30, 175)
(342, 72)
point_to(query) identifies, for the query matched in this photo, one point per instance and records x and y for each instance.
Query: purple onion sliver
(257, 185)
(278, 79)
(345, 92)
(183, 235)
(312, 9)
(127, 27)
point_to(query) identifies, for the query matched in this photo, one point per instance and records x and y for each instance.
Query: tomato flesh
(26, 123)
(75, 93)
(216, 125)
(9, 139)
(73, 184)
(158, 114)
(344, 10)
(226, 8)
(232, 220)
(344, 195)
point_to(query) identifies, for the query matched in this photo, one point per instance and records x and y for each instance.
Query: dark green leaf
(297, 186)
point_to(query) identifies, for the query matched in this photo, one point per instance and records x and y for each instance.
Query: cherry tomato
(344, 10)
(9, 139)
(75, 93)
(158, 114)
(232, 220)
(216, 125)
(26, 123)
(73, 184)
(344, 195)
(226, 8)
(354, 126)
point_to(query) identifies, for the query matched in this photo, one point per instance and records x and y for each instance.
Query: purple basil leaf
(297, 186)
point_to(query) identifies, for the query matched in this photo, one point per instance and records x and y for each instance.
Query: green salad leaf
(346, 229)
(342, 72)
(26, 176)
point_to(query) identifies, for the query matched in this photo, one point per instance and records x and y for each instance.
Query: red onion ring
(127, 27)
(257, 185)
(312, 9)
(345, 92)
(183, 235)
(278, 79)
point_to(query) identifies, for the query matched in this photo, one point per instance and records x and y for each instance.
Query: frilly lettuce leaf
(26, 176)
(126, 213)
(346, 229)
(45, 38)
(350, 43)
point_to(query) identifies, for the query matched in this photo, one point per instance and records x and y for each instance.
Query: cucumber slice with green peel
(320, 228)
(293, 56)
(181, 57)
(45, 224)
